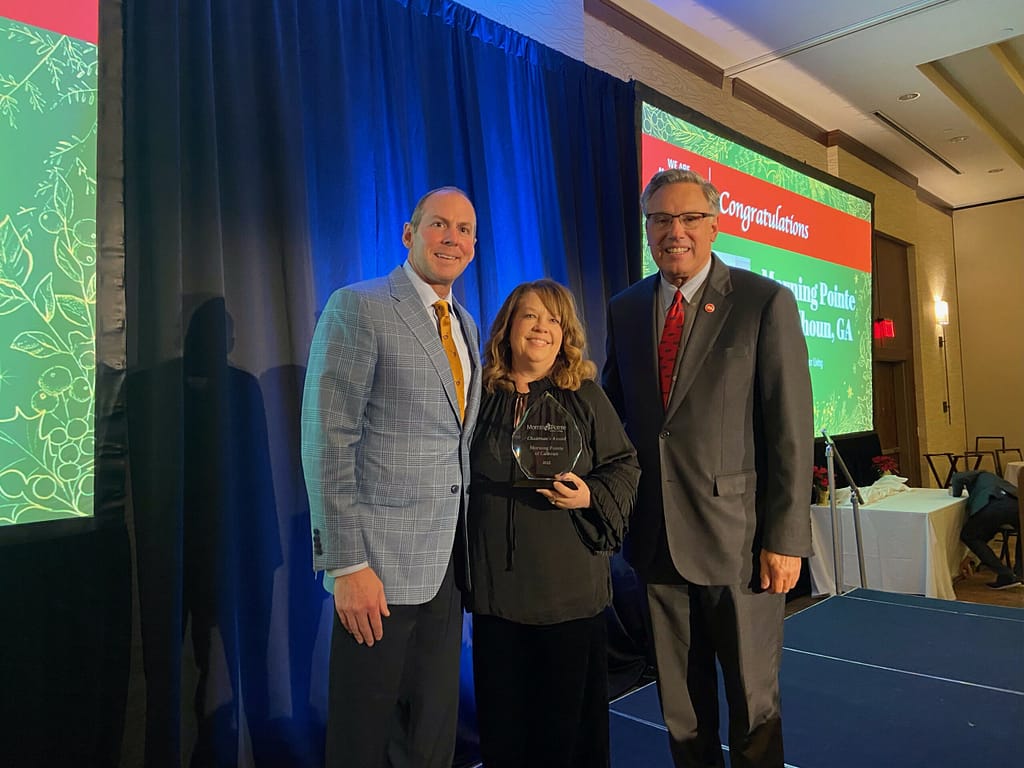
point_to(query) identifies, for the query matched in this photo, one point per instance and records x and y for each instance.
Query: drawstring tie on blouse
(518, 411)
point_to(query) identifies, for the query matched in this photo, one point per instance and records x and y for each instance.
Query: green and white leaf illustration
(15, 257)
(48, 130)
(12, 297)
(74, 310)
(66, 261)
(36, 343)
(43, 297)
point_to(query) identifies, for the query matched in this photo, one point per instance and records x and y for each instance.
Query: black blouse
(531, 562)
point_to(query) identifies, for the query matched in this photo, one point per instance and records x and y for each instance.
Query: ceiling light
(958, 140)
(908, 96)
(995, 170)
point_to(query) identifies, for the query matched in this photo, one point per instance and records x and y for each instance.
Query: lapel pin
(709, 307)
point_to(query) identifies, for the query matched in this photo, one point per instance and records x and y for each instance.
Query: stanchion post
(833, 457)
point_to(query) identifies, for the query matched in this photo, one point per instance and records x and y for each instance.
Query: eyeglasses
(689, 219)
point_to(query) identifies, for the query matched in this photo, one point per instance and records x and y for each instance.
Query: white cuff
(332, 573)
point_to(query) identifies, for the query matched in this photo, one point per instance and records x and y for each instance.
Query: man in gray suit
(387, 418)
(725, 442)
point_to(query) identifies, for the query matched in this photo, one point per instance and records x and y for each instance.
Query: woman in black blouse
(540, 557)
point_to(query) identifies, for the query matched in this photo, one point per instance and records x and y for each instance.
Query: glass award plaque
(546, 442)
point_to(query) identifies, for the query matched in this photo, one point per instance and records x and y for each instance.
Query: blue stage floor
(877, 679)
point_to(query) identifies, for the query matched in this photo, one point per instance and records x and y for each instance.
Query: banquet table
(1012, 470)
(911, 544)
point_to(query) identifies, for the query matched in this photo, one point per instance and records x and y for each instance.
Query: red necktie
(669, 346)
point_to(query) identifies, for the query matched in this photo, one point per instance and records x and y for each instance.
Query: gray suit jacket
(385, 456)
(727, 466)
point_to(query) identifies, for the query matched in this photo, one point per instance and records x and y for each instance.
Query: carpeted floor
(873, 679)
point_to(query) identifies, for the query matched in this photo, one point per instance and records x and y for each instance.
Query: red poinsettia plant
(885, 465)
(821, 478)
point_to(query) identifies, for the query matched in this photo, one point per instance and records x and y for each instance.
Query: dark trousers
(692, 626)
(541, 693)
(395, 704)
(982, 526)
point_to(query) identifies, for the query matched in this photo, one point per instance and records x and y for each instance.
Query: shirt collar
(427, 294)
(690, 288)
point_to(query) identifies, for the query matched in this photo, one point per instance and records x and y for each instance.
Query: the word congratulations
(748, 214)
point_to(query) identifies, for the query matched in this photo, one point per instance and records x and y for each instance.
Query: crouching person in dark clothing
(991, 504)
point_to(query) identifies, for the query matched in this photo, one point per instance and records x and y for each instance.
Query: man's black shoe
(1005, 582)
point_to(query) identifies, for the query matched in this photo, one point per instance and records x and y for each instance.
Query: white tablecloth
(1012, 469)
(911, 544)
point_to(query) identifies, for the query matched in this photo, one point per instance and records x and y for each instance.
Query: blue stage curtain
(272, 152)
(402, 97)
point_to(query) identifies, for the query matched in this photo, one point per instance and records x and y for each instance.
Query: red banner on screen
(74, 18)
(758, 210)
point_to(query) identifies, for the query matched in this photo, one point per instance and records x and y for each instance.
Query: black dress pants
(694, 625)
(541, 693)
(396, 704)
(982, 526)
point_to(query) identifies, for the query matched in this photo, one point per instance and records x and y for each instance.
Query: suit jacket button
(664, 434)
(455, 489)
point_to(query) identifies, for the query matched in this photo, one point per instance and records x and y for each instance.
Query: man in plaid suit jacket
(386, 457)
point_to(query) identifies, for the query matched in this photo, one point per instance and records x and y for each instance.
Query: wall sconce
(942, 320)
(883, 328)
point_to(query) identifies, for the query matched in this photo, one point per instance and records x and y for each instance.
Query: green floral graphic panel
(675, 130)
(48, 85)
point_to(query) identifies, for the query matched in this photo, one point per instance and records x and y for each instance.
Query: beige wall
(935, 271)
(929, 236)
(927, 232)
(990, 277)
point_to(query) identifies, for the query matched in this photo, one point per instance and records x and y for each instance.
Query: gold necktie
(444, 323)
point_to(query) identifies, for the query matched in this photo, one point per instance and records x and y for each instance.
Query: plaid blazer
(385, 455)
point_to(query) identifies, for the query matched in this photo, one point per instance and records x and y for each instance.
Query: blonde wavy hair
(570, 369)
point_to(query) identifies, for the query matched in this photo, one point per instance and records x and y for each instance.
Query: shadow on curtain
(273, 151)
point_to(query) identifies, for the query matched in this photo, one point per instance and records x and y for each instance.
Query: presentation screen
(48, 111)
(791, 223)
